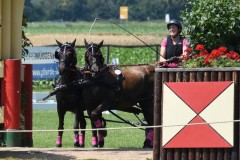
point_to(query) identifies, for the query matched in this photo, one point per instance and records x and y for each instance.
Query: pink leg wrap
(100, 137)
(81, 139)
(94, 141)
(76, 138)
(98, 123)
(150, 136)
(59, 140)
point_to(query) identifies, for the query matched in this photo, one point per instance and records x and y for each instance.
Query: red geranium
(199, 47)
(219, 57)
(232, 55)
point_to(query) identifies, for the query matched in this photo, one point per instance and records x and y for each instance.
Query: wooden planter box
(163, 75)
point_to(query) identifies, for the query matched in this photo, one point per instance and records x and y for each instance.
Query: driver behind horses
(173, 46)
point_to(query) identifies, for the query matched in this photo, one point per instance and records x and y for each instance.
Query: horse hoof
(58, 145)
(100, 144)
(76, 145)
(147, 144)
(103, 132)
(81, 145)
(95, 145)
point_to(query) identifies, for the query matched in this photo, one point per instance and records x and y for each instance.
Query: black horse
(118, 89)
(69, 99)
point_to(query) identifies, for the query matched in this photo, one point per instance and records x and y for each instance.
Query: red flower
(215, 53)
(204, 52)
(196, 55)
(186, 57)
(222, 49)
(217, 57)
(232, 55)
(207, 61)
(188, 50)
(199, 47)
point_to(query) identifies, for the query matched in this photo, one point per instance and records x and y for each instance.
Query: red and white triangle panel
(198, 114)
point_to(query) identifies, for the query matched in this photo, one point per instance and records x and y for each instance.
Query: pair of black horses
(97, 87)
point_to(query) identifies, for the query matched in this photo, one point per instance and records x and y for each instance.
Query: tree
(32, 12)
(173, 7)
(74, 10)
(212, 23)
(25, 41)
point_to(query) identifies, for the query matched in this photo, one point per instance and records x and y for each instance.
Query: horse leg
(97, 140)
(76, 127)
(94, 135)
(82, 126)
(100, 136)
(148, 115)
(61, 115)
(96, 116)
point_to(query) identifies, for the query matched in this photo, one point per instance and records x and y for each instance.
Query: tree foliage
(88, 10)
(212, 23)
(25, 41)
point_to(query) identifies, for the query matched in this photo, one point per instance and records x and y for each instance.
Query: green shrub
(212, 23)
(42, 85)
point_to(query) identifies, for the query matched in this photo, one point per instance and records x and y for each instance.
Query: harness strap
(123, 119)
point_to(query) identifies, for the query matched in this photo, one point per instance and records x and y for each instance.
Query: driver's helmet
(175, 22)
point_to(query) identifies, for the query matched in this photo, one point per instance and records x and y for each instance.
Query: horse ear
(86, 43)
(59, 43)
(73, 43)
(100, 44)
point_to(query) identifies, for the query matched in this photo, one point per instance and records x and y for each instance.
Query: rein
(126, 31)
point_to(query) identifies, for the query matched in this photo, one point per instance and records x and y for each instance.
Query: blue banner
(45, 71)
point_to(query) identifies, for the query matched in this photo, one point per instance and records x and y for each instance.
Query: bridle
(90, 50)
(94, 52)
(66, 49)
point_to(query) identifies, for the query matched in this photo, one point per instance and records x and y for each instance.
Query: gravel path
(75, 153)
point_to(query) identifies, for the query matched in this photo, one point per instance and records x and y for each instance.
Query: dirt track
(49, 39)
(75, 153)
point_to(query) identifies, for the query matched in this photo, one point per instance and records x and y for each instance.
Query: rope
(120, 128)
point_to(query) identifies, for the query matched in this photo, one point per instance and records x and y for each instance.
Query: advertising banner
(43, 61)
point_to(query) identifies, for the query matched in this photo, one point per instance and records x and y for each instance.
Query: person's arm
(163, 50)
(185, 46)
(163, 54)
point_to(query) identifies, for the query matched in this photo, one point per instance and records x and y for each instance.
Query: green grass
(99, 27)
(48, 120)
(139, 55)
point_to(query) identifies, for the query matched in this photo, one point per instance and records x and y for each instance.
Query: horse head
(66, 54)
(93, 56)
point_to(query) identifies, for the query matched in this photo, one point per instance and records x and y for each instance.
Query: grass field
(151, 33)
(45, 33)
(48, 120)
(97, 27)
